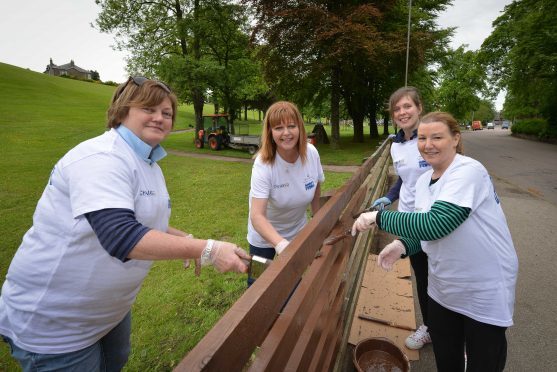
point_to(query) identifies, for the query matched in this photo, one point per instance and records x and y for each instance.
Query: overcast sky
(33, 31)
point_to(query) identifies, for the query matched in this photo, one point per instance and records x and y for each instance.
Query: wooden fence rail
(319, 284)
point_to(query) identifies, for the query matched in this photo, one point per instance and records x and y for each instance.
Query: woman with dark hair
(405, 107)
(285, 179)
(458, 221)
(100, 222)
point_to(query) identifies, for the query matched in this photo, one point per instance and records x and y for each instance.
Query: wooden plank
(317, 321)
(358, 269)
(230, 343)
(317, 281)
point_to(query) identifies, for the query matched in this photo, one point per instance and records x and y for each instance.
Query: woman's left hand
(390, 254)
(364, 222)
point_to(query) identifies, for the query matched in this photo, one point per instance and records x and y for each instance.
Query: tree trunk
(386, 118)
(198, 103)
(373, 131)
(335, 108)
(358, 121)
(197, 94)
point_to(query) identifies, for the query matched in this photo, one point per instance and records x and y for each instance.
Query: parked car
(505, 124)
(490, 126)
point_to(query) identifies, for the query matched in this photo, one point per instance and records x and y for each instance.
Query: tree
(485, 111)
(521, 57)
(95, 75)
(353, 49)
(223, 28)
(163, 38)
(308, 45)
(462, 82)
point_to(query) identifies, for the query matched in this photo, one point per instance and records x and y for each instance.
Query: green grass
(348, 153)
(42, 117)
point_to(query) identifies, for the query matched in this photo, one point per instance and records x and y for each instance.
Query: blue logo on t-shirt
(423, 164)
(310, 185)
(494, 192)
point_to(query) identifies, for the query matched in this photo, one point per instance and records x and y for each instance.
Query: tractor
(216, 133)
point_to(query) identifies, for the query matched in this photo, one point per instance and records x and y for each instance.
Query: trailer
(243, 140)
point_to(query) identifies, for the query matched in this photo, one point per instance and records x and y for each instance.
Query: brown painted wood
(321, 279)
(250, 321)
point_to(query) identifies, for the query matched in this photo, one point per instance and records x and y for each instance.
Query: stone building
(70, 69)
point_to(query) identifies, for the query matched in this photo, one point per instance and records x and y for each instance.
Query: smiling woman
(286, 178)
(101, 221)
(439, 141)
(459, 223)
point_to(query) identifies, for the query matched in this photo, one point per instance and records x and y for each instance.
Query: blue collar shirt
(149, 154)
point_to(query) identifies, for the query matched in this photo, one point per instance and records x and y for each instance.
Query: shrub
(534, 127)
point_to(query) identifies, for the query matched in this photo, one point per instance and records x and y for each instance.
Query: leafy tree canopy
(521, 56)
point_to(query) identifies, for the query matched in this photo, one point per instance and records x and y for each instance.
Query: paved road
(525, 177)
(530, 165)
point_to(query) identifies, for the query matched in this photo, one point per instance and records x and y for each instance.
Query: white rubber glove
(225, 256)
(281, 246)
(390, 254)
(364, 222)
(382, 202)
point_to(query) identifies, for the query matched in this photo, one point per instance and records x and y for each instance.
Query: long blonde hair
(275, 115)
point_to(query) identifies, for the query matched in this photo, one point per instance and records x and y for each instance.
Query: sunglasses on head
(140, 80)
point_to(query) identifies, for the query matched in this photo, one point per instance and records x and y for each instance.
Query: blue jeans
(108, 354)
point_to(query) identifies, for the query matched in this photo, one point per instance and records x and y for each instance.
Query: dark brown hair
(404, 92)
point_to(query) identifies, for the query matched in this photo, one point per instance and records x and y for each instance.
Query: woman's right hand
(227, 257)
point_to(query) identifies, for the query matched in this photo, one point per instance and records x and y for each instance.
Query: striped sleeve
(117, 229)
(412, 246)
(442, 219)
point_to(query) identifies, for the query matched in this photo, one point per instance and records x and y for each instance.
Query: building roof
(68, 66)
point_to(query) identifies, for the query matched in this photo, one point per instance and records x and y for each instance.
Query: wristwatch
(206, 254)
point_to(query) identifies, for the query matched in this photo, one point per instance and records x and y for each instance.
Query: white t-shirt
(409, 166)
(289, 189)
(473, 270)
(63, 291)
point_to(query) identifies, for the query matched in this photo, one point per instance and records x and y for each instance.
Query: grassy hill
(41, 118)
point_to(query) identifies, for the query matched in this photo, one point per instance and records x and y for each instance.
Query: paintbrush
(385, 322)
(337, 238)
